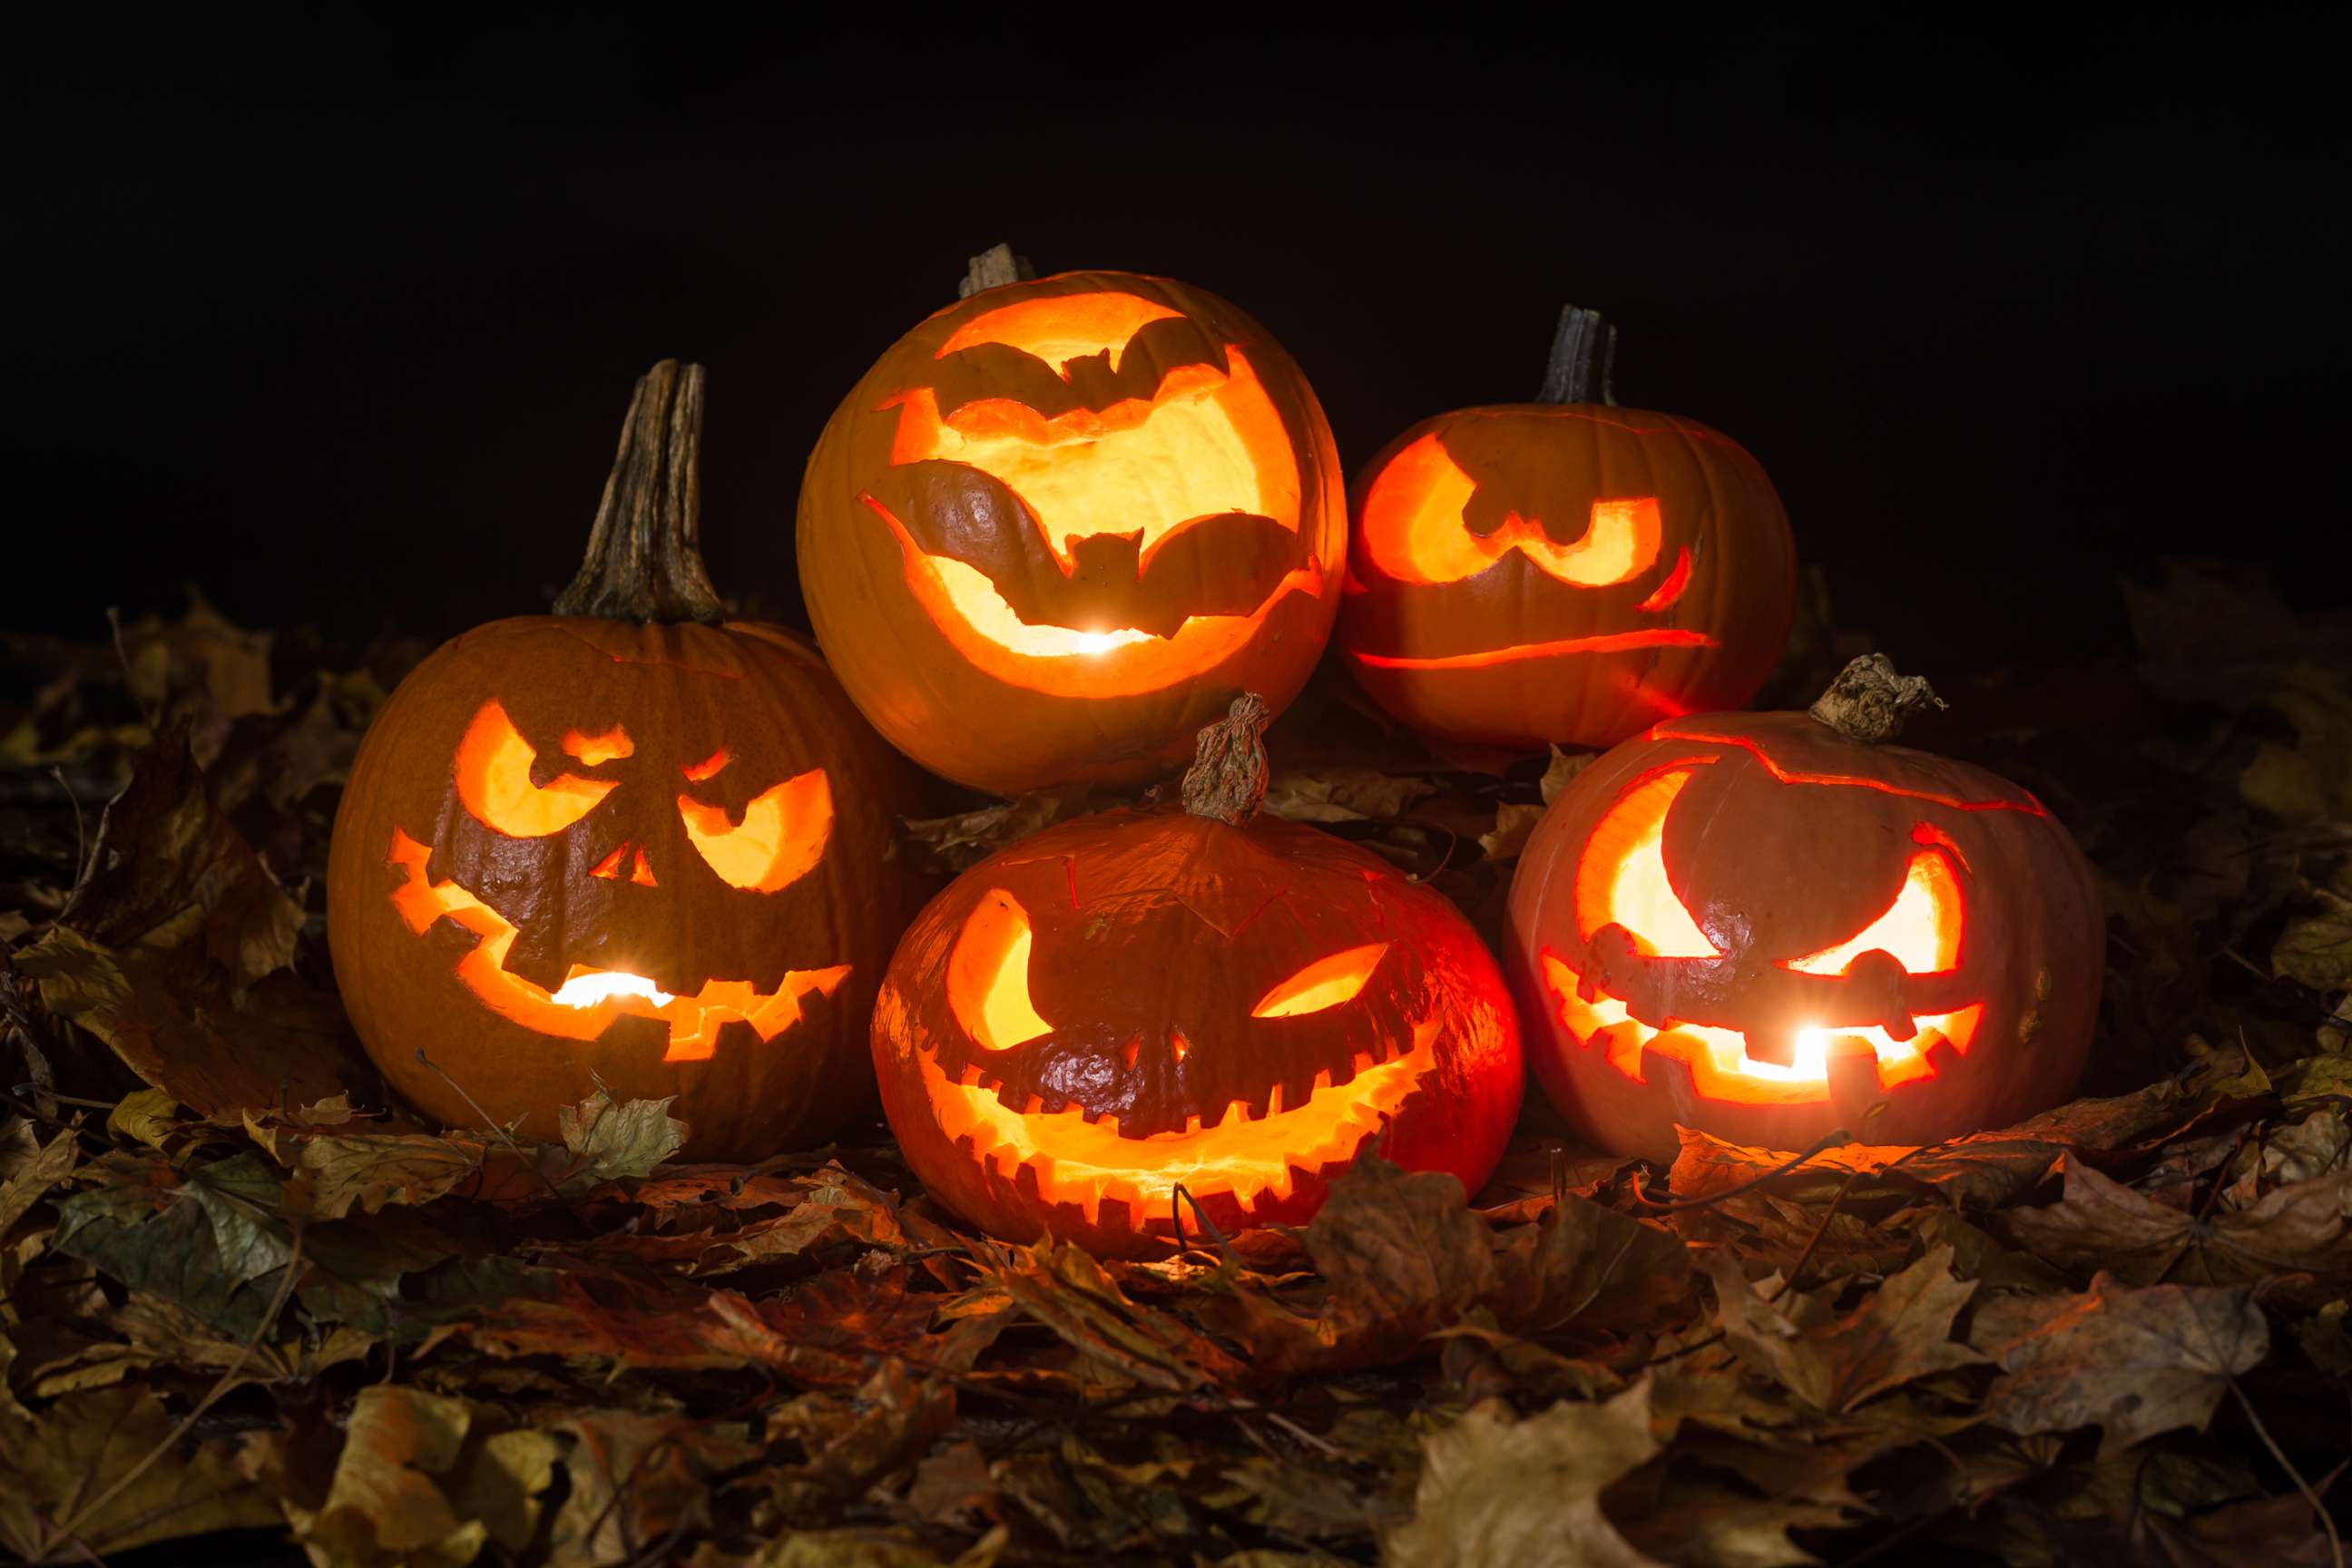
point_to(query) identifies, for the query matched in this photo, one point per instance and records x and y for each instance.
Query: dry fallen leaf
(1497, 1492)
(2131, 1362)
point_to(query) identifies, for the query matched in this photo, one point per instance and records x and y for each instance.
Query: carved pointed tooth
(1036, 1104)
(1274, 1098)
(1364, 1062)
(1193, 1122)
(1322, 1081)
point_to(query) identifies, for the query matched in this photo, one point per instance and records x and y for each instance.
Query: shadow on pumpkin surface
(243, 1303)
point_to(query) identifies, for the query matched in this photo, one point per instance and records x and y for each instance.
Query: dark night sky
(336, 316)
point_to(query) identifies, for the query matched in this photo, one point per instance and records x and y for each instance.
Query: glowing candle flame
(587, 990)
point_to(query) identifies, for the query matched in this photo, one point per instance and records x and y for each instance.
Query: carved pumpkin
(1061, 525)
(618, 843)
(1136, 1000)
(1566, 571)
(1769, 926)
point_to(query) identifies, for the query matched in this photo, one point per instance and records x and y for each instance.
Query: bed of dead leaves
(250, 1312)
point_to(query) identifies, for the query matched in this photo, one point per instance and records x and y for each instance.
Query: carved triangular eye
(1326, 983)
(1622, 881)
(780, 840)
(988, 975)
(493, 777)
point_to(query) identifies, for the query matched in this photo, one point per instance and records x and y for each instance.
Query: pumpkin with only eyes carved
(1139, 1000)
(620, 845)
(1061, 525)
(1564, 572)
(1771, 926)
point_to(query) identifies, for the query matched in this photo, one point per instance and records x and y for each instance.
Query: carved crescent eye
(781, 838)
(1326, 983)
(1921, 928)
(1622, 879)
(988, 975)
(493, 772)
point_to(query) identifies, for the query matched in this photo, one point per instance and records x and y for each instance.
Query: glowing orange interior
(709, 767)
(1621, 879)
(1326, 983)
(1060, 328)
(1717, 1059)
(1601, 642)
(988, 975)
(591, 750)
(1667, 592)
(1205, 442)
(1112, 662)
(781, 838)
(493, 776)
(1149, 471)
(590, 1000)
(1083, 1163)
(1921, 928)
(1414, 529)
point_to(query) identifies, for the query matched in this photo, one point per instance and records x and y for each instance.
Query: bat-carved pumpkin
(619, 844)
(1138, 1000)
(1769, 926)
(1061, 525)
(1566, 571)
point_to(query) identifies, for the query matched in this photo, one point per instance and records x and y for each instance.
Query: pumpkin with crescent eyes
(624, 844)
(1137, 1000)
(1061, 525)
(1771, 926)
(1565, 571)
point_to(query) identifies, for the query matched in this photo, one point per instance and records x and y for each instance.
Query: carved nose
(626, 859)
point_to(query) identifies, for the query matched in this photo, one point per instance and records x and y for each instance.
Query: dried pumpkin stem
(993, 269)
(1869, 702)
(1583, 358)
(1227, 778)
(645, 554)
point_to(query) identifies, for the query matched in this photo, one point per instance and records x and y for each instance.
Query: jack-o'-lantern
(1139, 1000)
(624, 844)
(1064, 522)
(1565, 571)
(1773, 926)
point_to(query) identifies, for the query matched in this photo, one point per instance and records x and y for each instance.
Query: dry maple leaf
(2133, 1362)
(1496, 1492)
(1901, 1331)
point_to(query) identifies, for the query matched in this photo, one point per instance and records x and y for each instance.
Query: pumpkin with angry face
(1566, 571)
(618, 845)
(1135, 1001)
(1061, 523)
(1768, 926)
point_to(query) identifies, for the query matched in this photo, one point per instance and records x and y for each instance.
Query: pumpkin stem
(993, 269)
(1868, 702)
(1227, 778)
(1583, 356)
(645, 554)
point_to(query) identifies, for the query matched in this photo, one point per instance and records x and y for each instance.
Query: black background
(334, 315)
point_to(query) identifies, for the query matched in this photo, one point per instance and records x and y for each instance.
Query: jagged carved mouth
(1717, 1059)
(1083, 1161)
(590, 1000)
